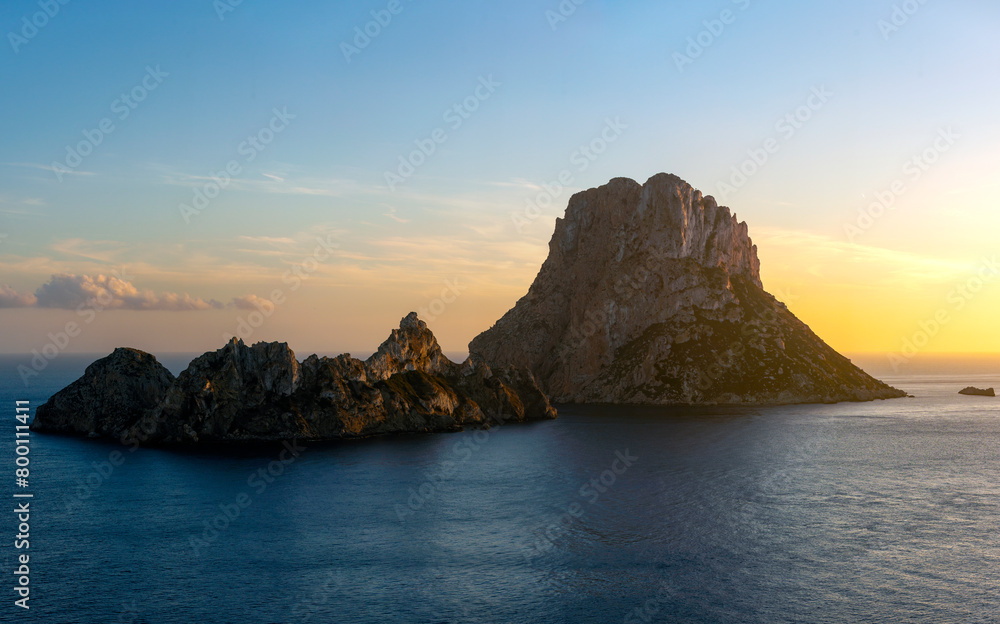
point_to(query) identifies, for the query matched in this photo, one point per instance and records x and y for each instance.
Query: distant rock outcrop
(651, 294)
(973, 391)
(261, 392)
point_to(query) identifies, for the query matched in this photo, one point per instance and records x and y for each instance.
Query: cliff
(651, 294)
(261, 392)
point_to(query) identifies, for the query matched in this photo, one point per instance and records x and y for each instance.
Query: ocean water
(874, 512)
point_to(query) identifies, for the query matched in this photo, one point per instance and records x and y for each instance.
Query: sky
(310, 172)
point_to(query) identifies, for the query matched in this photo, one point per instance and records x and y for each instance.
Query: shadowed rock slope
(261, 392)
(651, 294)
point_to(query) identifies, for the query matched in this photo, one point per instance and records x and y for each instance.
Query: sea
(857, 512)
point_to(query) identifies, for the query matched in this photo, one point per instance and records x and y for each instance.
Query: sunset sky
(118, 120)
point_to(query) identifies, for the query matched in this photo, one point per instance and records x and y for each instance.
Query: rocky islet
(651, 294)
(261, 393)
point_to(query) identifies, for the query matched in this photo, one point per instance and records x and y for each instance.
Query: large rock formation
(651, 294)
(261, 392)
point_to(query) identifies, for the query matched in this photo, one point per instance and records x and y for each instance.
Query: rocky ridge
(651, 294)
(261, 392)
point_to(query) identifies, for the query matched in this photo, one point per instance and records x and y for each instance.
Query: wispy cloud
(48, 168)
(825, 256)
(392, 215)
(29, 202)
(107, 251)
(274, 184)
(517, 183)
(269, 239)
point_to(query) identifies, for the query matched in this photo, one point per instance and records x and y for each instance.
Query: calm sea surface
(878, 512)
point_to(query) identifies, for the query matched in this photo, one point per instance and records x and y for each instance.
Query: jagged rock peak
(411, 347)
(270, 364)
(665, 216)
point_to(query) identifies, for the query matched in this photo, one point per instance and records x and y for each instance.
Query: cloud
(69, 292)
(250, 302)
(271, 240)
(47, 168)
(106, 251)
(820, 255)
(392, 215)
(10, 298)
(284, 184)
(517, 183)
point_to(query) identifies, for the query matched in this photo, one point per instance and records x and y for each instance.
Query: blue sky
(323, 174)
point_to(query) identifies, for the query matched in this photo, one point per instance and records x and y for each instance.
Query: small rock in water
(973, 391)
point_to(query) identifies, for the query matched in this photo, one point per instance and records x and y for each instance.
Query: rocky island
(973, 391)
(261, 392)
(651, 294)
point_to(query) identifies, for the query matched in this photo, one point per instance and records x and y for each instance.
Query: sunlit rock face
(651, 294)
